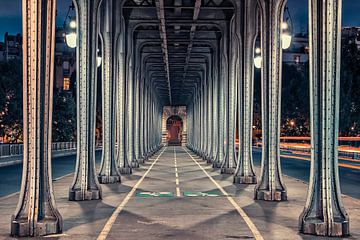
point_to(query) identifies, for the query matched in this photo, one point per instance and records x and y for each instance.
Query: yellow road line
(241, 212)
(105, 232)
(308, 159)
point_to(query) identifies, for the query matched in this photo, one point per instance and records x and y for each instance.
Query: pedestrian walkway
(176, 195)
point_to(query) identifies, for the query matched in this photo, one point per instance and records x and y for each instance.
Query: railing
(7, 150)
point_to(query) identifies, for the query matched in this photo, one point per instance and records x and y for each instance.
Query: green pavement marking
(154, 194)
(200, 194)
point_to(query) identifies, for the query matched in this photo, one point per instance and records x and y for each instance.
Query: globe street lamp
(258, 58)
(70, 30)
(286, 37)
(98, 58)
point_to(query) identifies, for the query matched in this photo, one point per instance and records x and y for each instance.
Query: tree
(350, 90)
(64, 117)
(295, 107)
(11, 114)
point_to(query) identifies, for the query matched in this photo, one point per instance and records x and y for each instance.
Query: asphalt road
(300, 169)
(10, 177)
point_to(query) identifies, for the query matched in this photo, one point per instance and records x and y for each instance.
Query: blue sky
(10, 14)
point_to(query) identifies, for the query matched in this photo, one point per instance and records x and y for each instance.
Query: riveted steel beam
(109, 172)
(192, 34)
(245, 173)
(121, 114)
(270, 186)
(324, 213)
(36, 213)
(229, 163)
(162, 28)
(85, 185)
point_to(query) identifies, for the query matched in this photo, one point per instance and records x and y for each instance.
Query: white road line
(241, 212)
(177, 182)
(105, 232)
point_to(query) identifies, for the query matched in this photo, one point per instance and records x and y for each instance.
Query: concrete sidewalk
(189, 215)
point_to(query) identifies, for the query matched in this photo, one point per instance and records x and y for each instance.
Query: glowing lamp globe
(258, 62)
(98, 61)
(72, 24)
(71, 40)
(285, 40)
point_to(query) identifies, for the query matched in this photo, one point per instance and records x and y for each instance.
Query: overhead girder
(155, 57)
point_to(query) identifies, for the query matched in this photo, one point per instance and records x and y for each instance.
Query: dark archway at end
(174, 127)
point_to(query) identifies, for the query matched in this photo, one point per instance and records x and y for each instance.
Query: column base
(317, 227)
(125, 170)
(21, 227)
(92, 194)
(216, 165)
(245, 180)
(209, 160)
(142, 160)
(267, 195)
(135, 164)
(227, 170)
(109, 179)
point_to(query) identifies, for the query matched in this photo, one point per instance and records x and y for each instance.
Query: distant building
(13, 47)
(2, 51)
(65, 61)
(298, 53)
(65, 64)
(351, 35)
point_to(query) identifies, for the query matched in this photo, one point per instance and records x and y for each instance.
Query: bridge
(177, 79)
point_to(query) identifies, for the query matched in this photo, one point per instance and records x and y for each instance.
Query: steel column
(122, 138)
(109, 169)
(270, 186)
(324, 213)
(228, 166)
(245, 170)
(220, 158)
(130, 101)
(36, 213)
(85, 185)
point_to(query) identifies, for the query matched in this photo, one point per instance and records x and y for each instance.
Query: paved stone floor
(179, 199)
